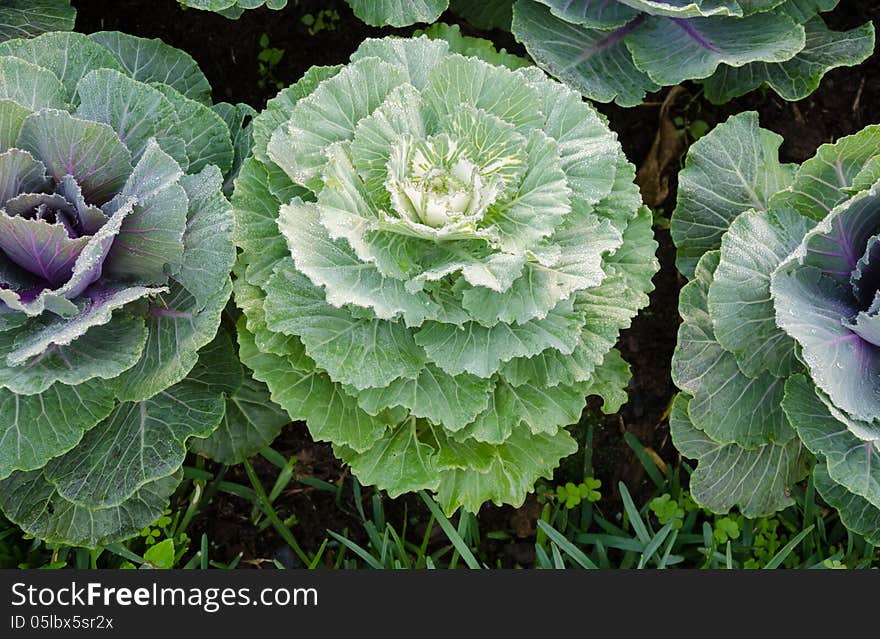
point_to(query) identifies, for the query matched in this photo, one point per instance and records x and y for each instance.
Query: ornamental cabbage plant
(437, 256)
(29, 18)
(622, 49)
(778, 357)
(115, 255)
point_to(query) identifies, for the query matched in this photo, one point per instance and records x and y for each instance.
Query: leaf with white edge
(589, 152)
(810, 307)
(150, 242)
(516, 466)
(851, 461)
(86, 271)
(30, 85)
(330, 114)
(416, 56)
(70, 56)
(583, 240)
(482, 350)
(36, 428)
(497, 90)
(346, 280)
(442, 399)
(798, 77)
(104, 351)
(758, 481)
(362, 352)
(593, 61)
(277, 109)
(742, 310)
(397, 13)
(33, 503)
(399, 114)
(541, 201)
(154, 61)
(856, 513)
(732, 169)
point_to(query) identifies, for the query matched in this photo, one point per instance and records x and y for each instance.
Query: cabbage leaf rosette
(115, 259)
(622, 49)
(778, 357)
(438, 254)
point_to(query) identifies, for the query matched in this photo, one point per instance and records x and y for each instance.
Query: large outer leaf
(856, 513)
(728, 406)
(154, 61)
(28, 18)
(597, 63)
(732, 169)
(36, 428)
(672, 50)
(397, 13)
(757, 481)
(798, 77)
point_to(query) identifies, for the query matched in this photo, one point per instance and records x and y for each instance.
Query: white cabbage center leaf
(435, 183)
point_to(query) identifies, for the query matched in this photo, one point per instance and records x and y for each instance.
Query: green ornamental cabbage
(778, 356)
(438, 254)
(115, 255)
(621, 49)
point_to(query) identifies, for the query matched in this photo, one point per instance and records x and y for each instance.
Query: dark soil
(847, 100)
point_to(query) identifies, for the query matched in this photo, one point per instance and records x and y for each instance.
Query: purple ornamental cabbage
(115, 253)
(778, 357)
